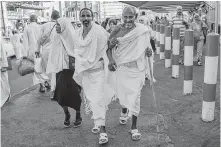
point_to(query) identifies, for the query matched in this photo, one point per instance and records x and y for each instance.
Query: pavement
(31, 119)
(18, 83)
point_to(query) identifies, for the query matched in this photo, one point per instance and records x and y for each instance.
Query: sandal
(135, 134)
(47, 85)
(124, 117)
(103, 138)
(42, 89)
(67, 122)
(199, 63)
(77, 122)
(95, 129)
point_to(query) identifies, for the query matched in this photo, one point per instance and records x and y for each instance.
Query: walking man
(48, 32)
(32, 34)
(127, 49)
(179, 22)
(91, 58)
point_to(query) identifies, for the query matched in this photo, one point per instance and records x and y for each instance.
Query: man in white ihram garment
(5, 88)
(128, 46)
(91, 64)
(48, 32)
(32, 34)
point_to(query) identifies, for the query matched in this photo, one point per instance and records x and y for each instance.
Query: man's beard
(129, 24)
(179, 13)
(86, 23)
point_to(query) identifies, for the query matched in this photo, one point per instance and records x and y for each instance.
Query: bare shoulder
(115, 30)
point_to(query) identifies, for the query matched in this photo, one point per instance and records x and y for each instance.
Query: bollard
(188, 62)
(176, 52)
(210, 76)
(167, 47)
(162, 45)
(158, 39)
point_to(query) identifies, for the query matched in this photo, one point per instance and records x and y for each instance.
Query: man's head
(141, 20)
(33, 18)
(86, 16)
(55, 15)
(197, 17)
(179, 10)
(199, 11)
(112, 23)
(129, 16)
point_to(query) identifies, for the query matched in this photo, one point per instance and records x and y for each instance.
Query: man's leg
(67, 122)
(78, 119)
(199, 52)
(182, 50)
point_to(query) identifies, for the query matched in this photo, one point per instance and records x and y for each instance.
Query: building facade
(111, 9)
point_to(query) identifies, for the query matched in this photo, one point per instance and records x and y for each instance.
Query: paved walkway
(31, 119)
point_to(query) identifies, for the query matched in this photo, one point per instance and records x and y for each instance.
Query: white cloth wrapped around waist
(99, 66)
(132, 64)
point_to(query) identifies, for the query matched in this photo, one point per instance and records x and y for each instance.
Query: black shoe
(47, 85)
(78, 122)
(42, 89)
(67, 122)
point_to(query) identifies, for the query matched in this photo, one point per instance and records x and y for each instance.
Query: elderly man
(48, 32)
(179, 22)
(127, 49)
(32, 34)
(90, 61)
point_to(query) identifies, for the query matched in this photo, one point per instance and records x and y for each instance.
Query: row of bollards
(163, 39)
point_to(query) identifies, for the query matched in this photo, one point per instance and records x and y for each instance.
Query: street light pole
(85, 4)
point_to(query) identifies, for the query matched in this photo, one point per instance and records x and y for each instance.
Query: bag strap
(49, 34)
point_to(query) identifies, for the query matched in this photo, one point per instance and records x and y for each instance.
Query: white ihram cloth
(31, 36)
(128, 81)
(88, 52)
(62, 47)
(48, 29)
(17, 45)
(5, 88)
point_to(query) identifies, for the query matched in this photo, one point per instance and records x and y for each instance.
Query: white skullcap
(179, 7)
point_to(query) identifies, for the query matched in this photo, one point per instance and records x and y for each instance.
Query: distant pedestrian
(48, 32)
(5, 88)
(111, 24)
(180, 22)
(32, 34)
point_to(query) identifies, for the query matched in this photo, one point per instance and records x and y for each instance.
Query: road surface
(31, 119)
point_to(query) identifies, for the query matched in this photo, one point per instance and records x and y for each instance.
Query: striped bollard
(158, 39)
(188, 62)
(210, 77)
(162, 45)
(176, 52)
(167, 47)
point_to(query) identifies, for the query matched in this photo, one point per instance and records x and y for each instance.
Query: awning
(26, 6)
(163, 6)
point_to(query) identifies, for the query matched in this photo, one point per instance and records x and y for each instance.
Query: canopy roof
(163, 6)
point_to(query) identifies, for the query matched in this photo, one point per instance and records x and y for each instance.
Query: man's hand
(37, 53)
(113, 42)
(3, 69)
(148, 52)
(201, 38)
(112, 65)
